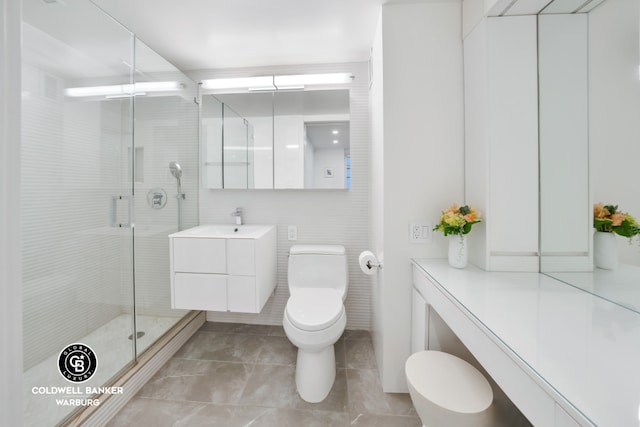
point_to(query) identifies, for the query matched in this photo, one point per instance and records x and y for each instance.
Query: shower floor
(113, 349)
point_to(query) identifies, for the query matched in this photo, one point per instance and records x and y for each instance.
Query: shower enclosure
(103, 116)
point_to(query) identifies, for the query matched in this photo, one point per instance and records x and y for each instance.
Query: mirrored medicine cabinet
(276, 139)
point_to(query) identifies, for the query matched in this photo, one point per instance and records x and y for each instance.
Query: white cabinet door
(242, 294)
(241, 257)
(200, 291)
(200, 255)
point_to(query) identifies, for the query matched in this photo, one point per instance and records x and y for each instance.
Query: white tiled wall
(322, 216)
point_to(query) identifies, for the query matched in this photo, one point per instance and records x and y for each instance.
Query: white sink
(225, 231)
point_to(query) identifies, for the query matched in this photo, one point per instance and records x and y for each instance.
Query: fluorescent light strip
(123, 90)
(289, 82)
(239, 82)
(128, 95)
(312, 79)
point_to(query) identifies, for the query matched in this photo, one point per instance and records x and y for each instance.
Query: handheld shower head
(176, 170)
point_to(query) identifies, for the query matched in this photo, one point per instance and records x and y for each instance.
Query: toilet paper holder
(368, 262)
(373, 264)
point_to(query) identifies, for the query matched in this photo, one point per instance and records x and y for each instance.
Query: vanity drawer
(200, 291)
(197, 255)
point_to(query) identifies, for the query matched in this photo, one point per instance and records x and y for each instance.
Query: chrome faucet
(238, 215)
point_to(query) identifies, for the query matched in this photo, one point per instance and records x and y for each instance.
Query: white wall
(10, 262)
(417, 152)
(614, 109)
(322, 216)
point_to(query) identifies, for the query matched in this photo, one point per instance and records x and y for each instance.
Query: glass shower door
(103, 118)
(76, 201)
(166, 133)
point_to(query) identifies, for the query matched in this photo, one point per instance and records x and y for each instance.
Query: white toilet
(447, 391)
(315, 318)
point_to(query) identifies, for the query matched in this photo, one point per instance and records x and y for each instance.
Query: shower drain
(138, 335)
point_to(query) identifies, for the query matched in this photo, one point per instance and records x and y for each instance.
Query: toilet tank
(318, 266)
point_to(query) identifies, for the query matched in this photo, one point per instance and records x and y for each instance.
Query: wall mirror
(589, 143)
(276, 139)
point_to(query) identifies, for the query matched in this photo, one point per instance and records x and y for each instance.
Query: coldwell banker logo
(77, 363)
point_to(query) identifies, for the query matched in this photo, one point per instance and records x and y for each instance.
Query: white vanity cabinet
(223, 268)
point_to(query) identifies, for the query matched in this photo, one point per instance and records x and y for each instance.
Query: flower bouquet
(607, 220)
(456, 222)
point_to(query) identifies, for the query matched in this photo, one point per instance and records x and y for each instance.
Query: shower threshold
(113, 347)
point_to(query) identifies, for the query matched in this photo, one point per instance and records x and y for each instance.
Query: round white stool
(447, 391)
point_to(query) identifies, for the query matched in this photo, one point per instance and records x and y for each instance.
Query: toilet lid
(313, 309)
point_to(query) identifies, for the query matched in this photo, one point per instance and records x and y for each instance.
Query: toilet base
(315, 373)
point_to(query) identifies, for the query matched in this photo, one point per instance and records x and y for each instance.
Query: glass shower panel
(166, 132)
(76, 235)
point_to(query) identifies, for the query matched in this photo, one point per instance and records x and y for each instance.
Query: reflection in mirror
(284, 140)
(211, 136)
(237, 140)
(304, 149)
(595, 158)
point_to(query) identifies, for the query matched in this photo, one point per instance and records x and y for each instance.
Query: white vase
(458, 250)
(605, 250)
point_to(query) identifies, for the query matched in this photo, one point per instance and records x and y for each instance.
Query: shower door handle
(116, 202)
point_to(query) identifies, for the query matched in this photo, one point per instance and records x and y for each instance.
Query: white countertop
(621, 286)
(584, 347)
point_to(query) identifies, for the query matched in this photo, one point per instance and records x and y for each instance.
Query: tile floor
(231, 374)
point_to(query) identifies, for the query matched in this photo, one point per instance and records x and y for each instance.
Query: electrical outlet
(292, 232)
(416, 231)
(419, 232)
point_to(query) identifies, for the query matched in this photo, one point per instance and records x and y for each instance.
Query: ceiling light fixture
(123, 90)
(312, 79)
(335, 141)
(249, 83)
(335, 131)
(128, 95)
(266, 83)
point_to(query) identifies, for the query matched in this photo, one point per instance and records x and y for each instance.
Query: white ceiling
(216, 34)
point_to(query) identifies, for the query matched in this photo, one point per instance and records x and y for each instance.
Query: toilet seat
(314, 309)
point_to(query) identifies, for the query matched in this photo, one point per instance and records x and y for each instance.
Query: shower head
(176, 170)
